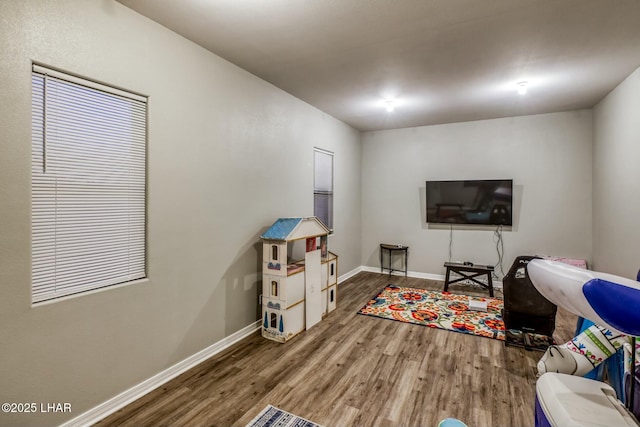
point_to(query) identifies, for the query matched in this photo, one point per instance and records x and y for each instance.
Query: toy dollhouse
(296, 294)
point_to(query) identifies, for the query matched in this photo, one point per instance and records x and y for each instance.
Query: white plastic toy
(609, 301)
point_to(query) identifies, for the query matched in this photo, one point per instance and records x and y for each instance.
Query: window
(88, 185)
(323, 186)
(274, 252)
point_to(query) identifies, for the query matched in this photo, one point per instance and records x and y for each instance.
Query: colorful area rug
(442, 310)
(274, 417)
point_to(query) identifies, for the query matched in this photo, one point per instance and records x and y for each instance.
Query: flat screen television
(486, 202)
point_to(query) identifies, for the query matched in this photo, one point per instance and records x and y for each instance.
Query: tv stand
(469, 272)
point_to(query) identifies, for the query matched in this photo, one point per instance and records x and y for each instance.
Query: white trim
(110, 406)
(497, 284)
(348, 275)
(415, 274)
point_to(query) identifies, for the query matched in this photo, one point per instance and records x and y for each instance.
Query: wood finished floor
(354, 370)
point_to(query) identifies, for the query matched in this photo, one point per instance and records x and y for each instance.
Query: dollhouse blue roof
(281, 229)
(295, 228)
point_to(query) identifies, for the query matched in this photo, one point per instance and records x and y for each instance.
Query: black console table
(391, 249)
(470, 272)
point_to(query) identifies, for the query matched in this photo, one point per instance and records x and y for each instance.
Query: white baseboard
(107, 408)
(416, 274)
(497, 284)
(348, 275)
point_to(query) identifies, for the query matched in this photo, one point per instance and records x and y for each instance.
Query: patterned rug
(442, 310)
(274, 417)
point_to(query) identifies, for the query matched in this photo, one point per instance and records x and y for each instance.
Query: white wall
(616, 180)
(548, 157)
(228, 153)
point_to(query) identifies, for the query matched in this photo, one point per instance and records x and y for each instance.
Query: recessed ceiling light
(390, 106)
(522, 87)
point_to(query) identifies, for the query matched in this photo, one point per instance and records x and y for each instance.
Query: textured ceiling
(442, 61)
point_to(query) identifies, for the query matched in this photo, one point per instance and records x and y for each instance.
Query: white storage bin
(569, 401)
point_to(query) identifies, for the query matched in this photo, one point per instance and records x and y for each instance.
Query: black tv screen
(487, 202)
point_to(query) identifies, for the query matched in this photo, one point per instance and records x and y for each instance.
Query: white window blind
(323, 186)
(88, 185)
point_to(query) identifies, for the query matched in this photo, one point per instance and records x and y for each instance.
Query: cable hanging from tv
(499, 249)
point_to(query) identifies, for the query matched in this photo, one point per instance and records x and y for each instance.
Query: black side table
(391, 249)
